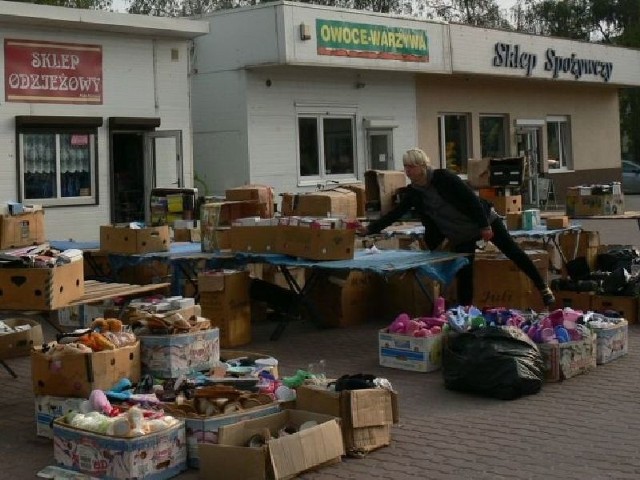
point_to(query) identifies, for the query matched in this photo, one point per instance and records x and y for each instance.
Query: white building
(95, 112)
(293, 95)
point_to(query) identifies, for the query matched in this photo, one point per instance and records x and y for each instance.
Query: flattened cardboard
(76, 375)
(41, 288)
(19, 344)
(22, 230)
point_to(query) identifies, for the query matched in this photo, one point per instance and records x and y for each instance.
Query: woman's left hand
(487, 234)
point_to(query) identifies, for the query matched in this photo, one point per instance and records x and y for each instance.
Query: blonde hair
(416, 156)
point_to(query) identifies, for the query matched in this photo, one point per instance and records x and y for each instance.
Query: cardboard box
(261, 194)
(566, 360)
(316, 244)
(251, 358)
(19, 344)
(588, 246)
(155, 456)
(507, 204)
(405, 352)
(366, 415)
(257, 239)
(578, 205)
(282, 457)
(22, 230)
(169, 356)
(114, 239)
(49, 408)
(626, 307)
(224, 298)
(77, 374)
(506, 172)
(478, 172)
(612, 341)
(498, 282)
(338, 202)
(381, 187)
(361, 197)
(193, 235)
(554, 223)
(41, 288)
(205, 429)
(402, 294)
(582, 301)
(514, 221)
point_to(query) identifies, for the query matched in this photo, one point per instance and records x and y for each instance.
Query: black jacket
(453, 190)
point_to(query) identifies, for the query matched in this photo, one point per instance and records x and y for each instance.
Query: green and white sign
(361, 40)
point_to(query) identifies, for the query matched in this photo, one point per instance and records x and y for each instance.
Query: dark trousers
(506, 245)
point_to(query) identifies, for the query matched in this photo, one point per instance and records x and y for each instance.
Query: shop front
(95, 113)
(312, 95)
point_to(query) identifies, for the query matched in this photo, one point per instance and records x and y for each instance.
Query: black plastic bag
(500, 362)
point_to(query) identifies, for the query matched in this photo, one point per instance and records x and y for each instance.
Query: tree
(84, 4)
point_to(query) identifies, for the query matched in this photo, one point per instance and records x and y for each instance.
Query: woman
(450, 210)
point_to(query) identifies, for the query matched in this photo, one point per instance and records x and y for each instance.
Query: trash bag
(500, 362)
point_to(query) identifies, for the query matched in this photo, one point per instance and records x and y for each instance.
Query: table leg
(8, 369)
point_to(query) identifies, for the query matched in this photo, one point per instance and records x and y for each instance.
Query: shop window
(326, 146)
(493, 136)
(57, 167)
(559, 143)
(453, 133)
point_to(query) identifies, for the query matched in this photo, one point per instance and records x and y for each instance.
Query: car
(630, 177)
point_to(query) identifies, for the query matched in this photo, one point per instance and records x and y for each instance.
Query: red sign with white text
(51, 72)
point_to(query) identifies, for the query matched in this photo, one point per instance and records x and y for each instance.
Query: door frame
(150, 163)
(386, 131)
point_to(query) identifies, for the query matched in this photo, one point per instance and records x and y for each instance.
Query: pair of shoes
(547, 297)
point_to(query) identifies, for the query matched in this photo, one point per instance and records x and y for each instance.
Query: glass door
(529, 141)
(163, 163)
(380, 147)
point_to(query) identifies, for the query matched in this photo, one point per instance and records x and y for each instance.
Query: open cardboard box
(279, 458)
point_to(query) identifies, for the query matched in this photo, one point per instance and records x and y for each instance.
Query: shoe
(547, 297)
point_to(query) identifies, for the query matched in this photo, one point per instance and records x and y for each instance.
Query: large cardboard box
(366, 415)
(361, 197)
(77, 374)
(585, 205)
(114, 239)
(406, 352)
(566, 360)
(403, 294)
(22, 230)
(507, 204)
(49, 408)
(202, 430)
(338, 202)
(625, 307)
(41, 288)
(588, 247)
(19, 344)
(498, 282)
(155, 456)
(169, 356)
(281, 457)
(582, 301)
(381, 187)
(261, 194)
(256, 239)
(349, 299)
(612, 341)
(316, 244)
(224, 298)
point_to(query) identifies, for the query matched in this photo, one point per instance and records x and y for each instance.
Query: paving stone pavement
(585, 428)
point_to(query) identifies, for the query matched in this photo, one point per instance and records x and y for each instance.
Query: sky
(121, 5)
